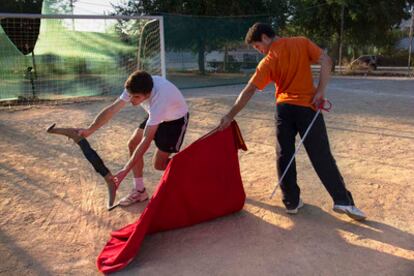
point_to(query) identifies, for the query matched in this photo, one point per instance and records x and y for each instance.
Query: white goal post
(52, 56)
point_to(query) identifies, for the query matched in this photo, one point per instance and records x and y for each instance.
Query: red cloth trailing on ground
(201, 183)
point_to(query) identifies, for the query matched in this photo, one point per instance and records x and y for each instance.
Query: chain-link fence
(208, 51)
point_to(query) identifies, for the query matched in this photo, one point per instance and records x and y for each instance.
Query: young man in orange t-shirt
(287, 63)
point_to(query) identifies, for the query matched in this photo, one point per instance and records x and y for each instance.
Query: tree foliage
(366, 23)
(59, 6)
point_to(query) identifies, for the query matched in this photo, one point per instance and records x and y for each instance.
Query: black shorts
(170, 135)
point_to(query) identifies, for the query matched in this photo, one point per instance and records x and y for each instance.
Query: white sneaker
(295, 211)
(351, 211)
(133, 196)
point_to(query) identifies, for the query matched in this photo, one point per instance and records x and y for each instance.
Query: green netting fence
(93, 56)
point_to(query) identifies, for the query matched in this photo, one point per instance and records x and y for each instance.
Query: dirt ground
(54, 220)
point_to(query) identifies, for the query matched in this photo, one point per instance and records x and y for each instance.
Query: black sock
(93, 157)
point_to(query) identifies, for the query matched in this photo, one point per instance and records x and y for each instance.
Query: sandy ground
(54, 220)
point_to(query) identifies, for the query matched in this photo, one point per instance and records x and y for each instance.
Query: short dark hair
(139, 82)
(254, 34)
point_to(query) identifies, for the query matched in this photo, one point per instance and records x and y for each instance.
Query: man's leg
(319, 152)
(169, 139)
(132, 145)
(317, 147)
(92, 157)
(285, 134)
(138, 192)
(161, 159)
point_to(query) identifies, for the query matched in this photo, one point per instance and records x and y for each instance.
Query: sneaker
(134, 196)
(295, 210)
(350, 210)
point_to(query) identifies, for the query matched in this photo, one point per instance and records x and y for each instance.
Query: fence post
(410, 40)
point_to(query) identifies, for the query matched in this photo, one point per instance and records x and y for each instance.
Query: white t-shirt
(166, 102)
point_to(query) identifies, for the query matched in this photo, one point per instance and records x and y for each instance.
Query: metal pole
(410, 41)
(340, 39)
(31, 78)
(34, 64)
(162, 46)
(72, 11)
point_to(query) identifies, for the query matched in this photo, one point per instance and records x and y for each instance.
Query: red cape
(201, 183)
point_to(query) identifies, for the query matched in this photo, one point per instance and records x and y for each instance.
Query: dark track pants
(290, 120)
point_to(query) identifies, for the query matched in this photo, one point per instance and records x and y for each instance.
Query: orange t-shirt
(288, 65)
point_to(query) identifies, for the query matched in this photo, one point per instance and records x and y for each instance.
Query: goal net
(55, 56)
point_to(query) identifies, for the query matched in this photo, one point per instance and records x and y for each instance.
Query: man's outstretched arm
(103, 117)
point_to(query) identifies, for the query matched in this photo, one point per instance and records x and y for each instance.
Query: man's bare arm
(325, 73)
(149, 134)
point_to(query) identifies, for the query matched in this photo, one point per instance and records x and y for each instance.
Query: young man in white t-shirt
(166, 124)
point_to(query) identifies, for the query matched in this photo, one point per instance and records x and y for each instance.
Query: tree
(366, 23)
(59, 6)
(201, 26)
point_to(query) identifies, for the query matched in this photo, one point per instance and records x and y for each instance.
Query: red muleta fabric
(202, 182)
